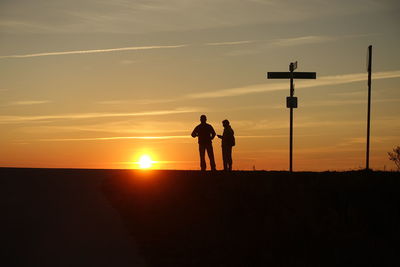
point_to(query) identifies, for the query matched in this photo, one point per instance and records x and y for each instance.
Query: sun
(145, 162)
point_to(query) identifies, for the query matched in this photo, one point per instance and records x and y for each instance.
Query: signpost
(369, 104)
(291, 101)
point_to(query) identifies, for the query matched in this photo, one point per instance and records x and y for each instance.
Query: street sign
(296, 75)
(291, 102)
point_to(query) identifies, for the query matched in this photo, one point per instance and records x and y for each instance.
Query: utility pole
(291, 101)
(369, 104)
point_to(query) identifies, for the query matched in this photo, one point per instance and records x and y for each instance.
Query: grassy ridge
(189, 218)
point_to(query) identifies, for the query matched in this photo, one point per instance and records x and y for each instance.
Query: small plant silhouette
(395, 156)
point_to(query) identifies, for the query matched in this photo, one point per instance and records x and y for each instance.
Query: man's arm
(213, 134)
(195, 133)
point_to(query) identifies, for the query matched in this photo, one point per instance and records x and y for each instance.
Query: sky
(98, 84)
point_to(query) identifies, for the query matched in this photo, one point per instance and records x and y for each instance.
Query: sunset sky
(98, 84)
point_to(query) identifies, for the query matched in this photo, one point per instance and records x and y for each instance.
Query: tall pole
(369, 103)
(291, 69)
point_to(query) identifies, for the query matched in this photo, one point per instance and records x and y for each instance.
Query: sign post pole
(291, 69)
(369, 104)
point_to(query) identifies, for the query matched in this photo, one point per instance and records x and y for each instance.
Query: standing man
(205, 132)
(228, 141)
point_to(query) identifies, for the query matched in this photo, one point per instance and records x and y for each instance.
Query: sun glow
(145, 162)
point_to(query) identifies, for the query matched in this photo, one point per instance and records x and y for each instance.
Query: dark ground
(54, 218)
(189, 218)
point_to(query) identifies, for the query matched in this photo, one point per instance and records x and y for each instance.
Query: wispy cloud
(302, 40)
(166, 16)
(348, 94)
(314, 39)
(351, 102)
(166, 137)
(112, 102)
(18, 119)
(231, 43)
(277, 86)
(278, 42)
(92, 51)
(320, 81)
(129, 126)
(250, 126)
(27, 102)
(118, 138)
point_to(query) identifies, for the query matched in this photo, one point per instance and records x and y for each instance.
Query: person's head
(225, 123)
(203, 118)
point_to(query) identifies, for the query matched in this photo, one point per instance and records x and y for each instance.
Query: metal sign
(291, 102)
(296, 75)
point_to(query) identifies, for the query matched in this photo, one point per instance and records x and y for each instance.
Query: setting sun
(145, 162)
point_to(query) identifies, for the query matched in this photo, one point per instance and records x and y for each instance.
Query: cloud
(262, 45)
(348, 94)
(166, 137)
(312, 39)
(124, 127)
(112, 102)
(302, 40)
(278, 86)
(351, 102)
(119, 138)
(278, 42)
(92, 51)
(262, 125)
(18, 119)
(320, 81)
(362, 140)
(141, 16)
(27, 102)
(230, 43)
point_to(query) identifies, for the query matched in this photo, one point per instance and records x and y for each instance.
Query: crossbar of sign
(296, 75)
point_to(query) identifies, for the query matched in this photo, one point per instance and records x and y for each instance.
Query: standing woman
(228, 141)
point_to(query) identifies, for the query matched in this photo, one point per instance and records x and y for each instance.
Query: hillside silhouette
(191, 218)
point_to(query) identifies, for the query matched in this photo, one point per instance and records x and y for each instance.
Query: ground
(191, 218)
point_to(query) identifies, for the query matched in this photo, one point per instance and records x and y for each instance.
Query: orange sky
(89, 84)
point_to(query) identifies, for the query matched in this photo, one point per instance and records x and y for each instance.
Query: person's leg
(229, 157)
(224, 158)
(202, 151)
(210, 153)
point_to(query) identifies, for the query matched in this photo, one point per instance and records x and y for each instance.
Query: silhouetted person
(205, 132)
(228, 141)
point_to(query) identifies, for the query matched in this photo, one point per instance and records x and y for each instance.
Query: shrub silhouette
(395, 156)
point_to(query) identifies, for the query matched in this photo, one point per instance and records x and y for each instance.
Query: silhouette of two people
(205, 133)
